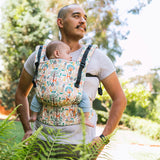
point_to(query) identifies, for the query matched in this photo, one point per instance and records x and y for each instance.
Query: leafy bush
(144, 126)
(155, 112)
(138, 102)
(25, 25)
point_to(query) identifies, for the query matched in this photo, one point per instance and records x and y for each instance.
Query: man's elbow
(19, 96)
(123, 102)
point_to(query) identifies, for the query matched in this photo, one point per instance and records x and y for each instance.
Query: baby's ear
(56, 54)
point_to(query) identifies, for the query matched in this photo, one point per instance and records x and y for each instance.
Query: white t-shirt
(99, 65)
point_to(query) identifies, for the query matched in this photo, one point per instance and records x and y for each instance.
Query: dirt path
(129, 145)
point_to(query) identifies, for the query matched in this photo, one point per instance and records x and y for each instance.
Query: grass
(17, 131)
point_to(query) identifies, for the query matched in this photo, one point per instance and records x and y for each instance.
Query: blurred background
(126, 31)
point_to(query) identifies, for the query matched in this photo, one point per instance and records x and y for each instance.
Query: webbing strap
(82, 65)
(37, 64)
(91, 75)
(100, 91)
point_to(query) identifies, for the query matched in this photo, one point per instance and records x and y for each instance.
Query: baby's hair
(52, 46)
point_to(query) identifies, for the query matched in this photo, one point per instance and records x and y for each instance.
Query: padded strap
(37, 64)
(82, 65)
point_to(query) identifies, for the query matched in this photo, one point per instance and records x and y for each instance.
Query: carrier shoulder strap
(82, 65)
(37, 64)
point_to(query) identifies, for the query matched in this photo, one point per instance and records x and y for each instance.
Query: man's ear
(56, 54)
(60, 22)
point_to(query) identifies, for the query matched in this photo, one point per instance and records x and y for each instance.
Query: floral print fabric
(55, 89)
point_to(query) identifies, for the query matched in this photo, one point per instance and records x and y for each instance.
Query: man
(72, 25)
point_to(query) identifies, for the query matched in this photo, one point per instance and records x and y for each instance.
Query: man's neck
(74, 45)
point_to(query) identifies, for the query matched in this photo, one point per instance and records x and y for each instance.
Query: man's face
(74, 23)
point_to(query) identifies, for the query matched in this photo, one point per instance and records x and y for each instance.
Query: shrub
(144, 126)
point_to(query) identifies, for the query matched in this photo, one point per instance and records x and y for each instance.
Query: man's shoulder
(100, 55)
(30, 64)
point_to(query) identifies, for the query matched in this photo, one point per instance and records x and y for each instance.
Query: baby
(60, 50)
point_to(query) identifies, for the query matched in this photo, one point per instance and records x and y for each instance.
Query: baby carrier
(58, 84)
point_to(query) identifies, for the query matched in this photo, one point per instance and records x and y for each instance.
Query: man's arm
(113, 87)
(21, 97)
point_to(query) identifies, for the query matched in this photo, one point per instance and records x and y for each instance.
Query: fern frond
(6, 126)
(6, 141)
(35, 148)
(89, 151)
(51, 147)
(26, 149)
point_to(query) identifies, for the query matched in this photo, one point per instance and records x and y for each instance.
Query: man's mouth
(82, 28)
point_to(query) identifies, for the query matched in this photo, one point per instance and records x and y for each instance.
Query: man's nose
(83, 20)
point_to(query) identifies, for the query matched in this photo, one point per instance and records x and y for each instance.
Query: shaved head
(63, 11)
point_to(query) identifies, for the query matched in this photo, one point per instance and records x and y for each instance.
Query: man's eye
(76, 16)
(85, 18)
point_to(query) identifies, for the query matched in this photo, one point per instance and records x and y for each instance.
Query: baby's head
(58, 50)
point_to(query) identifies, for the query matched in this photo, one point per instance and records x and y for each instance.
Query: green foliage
(144, 126)
(34, 148)
(137, 100)
(138, 6)
(151, 82)
(138, 104)
(102, 117)
(137, 94)
(155, 80)
(154, 113)
(25, 25)
(6, 140)
(157, 103)
(104, 25)
(26, 149)
(7, 94)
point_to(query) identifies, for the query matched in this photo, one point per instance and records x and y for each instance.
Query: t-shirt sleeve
(106, 66)
(29, 64)
(101, 65)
